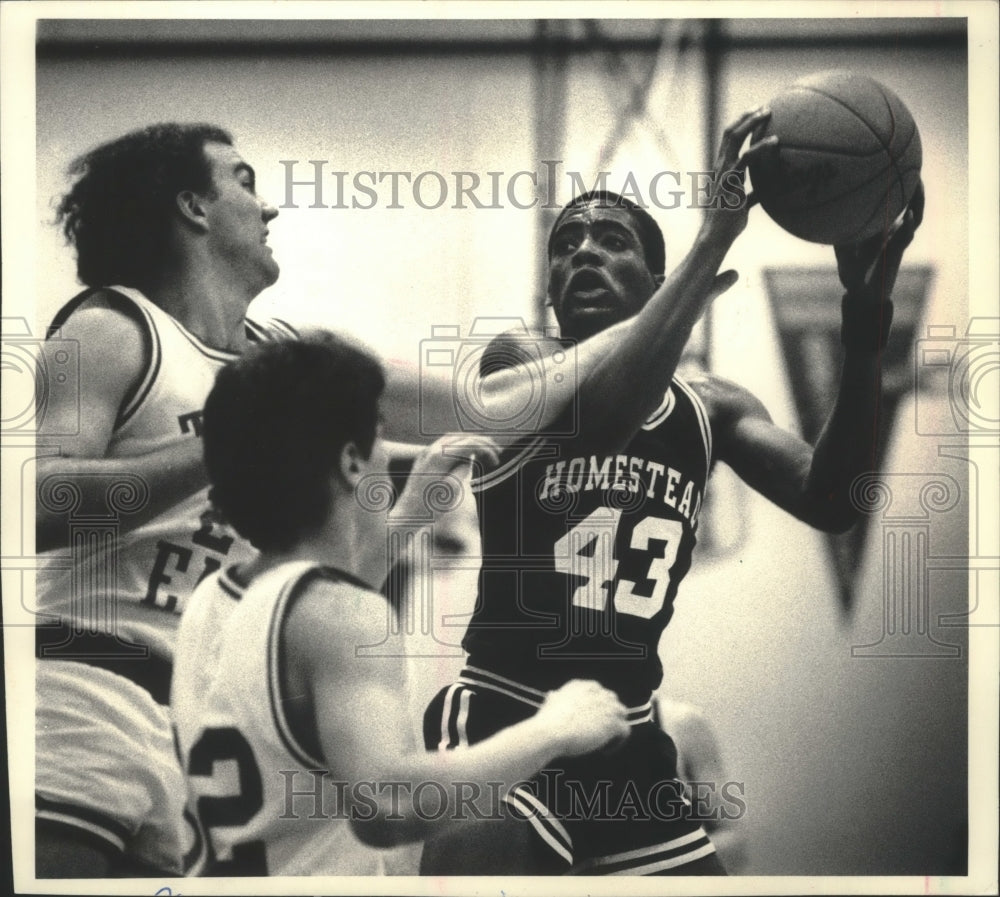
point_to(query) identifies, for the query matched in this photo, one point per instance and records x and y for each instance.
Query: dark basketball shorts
(615, 811)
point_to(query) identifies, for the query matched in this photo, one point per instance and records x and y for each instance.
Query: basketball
(848, 158)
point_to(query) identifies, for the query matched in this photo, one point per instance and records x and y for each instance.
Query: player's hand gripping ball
(848, 158)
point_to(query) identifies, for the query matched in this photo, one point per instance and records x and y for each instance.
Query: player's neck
(339, 545)
(210, 307)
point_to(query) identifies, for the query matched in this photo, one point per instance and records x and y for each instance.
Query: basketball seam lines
(854, 112)
(913, 133)
(886, 148)
(824, 149)
(875, 134)
(892, 162)
(839, 196)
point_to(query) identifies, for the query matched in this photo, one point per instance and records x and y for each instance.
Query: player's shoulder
(208, 592)
(206, 613)
(331, 616)
(725, 400)
(105, 313)
(109, 339)
(103, 322)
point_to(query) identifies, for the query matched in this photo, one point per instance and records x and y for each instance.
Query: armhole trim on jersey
(508, 468)
(63, 315)
(275, 657)
(110, 830)
(455, 717)
(255, 332)
(120, 299)
(662, 411)
(703, 420)
(270, 330)
(283, 327)
(335, 574)
(154, 358)
(229, 584)
(545, 823)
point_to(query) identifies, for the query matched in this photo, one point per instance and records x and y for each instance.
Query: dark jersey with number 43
(583, 553)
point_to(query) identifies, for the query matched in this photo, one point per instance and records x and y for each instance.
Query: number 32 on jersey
(587, 552)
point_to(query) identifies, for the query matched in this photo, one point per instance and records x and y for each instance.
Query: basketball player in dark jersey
(586, 539)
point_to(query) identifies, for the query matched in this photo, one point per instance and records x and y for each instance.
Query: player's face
(597, 273)
(238, 219)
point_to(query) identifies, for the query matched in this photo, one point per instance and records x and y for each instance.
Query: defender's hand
(582, 716)
(441, 474)
(449, 453)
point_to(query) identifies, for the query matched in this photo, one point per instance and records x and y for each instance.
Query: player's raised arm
(814, 484)
(359, 705)
(622, 371)
(79, 426)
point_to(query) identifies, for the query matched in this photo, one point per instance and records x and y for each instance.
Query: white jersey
(105, 759)
(152, 569)
(265, 804)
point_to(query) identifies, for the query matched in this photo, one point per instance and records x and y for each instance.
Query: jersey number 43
(587, 552)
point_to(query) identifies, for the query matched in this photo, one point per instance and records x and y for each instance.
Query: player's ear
(658, 279)
(352, 464)
(193, 208)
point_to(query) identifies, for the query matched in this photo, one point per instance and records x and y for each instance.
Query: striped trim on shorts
(525, 805)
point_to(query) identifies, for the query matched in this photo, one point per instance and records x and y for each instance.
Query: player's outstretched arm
(360, 719)
(76, 430)
(623, 372)
(415, 404)
(814, 484)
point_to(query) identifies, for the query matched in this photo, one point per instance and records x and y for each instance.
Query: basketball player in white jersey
(171, 241)
(271, 670)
